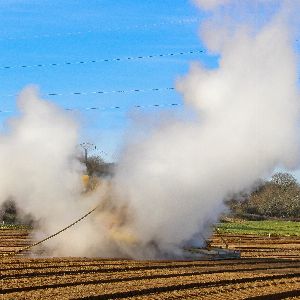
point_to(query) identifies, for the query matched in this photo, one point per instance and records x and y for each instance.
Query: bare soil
(268, 269)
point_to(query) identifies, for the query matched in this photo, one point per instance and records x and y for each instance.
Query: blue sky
(48, 32)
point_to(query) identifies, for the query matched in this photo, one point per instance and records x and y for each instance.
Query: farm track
(269, 269)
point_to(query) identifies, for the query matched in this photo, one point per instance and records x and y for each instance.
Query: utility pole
(86, 146)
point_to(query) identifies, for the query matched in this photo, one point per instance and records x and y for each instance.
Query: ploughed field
(269, 268)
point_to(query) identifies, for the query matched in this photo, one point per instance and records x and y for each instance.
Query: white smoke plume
(173, 174)
(41, 173)
(176, 177)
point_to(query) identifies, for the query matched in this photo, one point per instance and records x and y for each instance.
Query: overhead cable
(115, 59)
(102, 92)
(105, 108)
(137, 106)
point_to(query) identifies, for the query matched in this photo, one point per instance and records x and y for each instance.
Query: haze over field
(173, 173)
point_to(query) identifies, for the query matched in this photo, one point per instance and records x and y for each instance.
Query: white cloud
(210, 4)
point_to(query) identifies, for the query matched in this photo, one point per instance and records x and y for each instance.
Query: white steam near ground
(170, 181)
(39, 168)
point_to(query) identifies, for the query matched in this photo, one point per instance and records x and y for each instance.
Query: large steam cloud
(41, 172)
(175, 178)
(171, 181)
(39, 168)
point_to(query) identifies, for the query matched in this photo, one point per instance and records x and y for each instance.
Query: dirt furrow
(140, 285)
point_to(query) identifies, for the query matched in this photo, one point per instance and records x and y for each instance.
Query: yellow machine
(85, 181)
(90, 183)
(113, 216)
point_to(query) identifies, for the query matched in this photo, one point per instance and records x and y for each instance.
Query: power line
(185, 21)
(103, 92)
(104, 108)
(153, 105)
(116, 59)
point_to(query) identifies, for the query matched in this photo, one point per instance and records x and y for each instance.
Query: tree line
(278, 197)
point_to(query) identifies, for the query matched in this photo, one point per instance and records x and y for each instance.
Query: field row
(251, 246)
(271, 271)
(144, 283)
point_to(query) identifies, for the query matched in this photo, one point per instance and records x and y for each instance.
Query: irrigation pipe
(51, 236)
